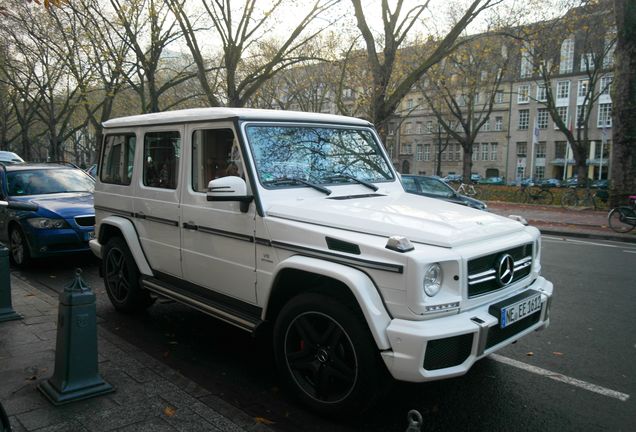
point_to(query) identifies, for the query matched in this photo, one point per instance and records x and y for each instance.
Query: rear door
(156, 203)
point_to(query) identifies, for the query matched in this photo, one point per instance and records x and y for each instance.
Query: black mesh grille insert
(447, 352)
(85, 220)
(488, 263)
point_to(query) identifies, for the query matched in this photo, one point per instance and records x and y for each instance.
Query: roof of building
(210, 114)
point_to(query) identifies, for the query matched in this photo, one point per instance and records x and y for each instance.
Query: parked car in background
(64, 220)
(600, 184)
(453, 178)
(492, 181)
(436, 188)
(474, 177)
(570, 182)
(8, 157)
(551, 182)
(92, 170)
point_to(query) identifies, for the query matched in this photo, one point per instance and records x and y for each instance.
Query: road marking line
(562, 378)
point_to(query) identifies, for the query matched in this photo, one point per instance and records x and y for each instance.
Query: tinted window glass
(215, 154)
(118, 159)
(162, 151)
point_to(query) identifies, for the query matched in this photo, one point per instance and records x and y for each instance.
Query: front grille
(497, 334)
(482, 271)
(85, 220)
(448, 352)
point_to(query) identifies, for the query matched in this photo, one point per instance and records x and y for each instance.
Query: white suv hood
(420, 219)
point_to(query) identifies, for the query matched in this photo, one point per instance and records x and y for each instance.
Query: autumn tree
(252, 52)
(549, 50)
(623, 174)
(389, 85)
(461, 90)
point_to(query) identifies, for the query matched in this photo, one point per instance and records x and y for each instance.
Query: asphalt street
(579, 374)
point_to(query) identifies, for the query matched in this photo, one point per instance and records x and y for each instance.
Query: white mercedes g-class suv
(299, 220)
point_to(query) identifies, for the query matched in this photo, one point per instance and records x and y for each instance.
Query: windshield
(321, 155)
(48, 181)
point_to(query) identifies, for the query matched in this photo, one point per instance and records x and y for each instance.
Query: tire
(121, 278)
(326, 355)
(521, 196)
(545, 197)
(569, 200)
(617, 219)
(20, 253)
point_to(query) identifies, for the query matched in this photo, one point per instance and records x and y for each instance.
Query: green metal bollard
(75, 376)
(6, 310)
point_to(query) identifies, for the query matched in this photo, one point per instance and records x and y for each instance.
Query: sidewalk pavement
(555, 220)
(149, 396)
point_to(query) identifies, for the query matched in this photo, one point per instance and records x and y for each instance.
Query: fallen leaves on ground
(169, 411)
(263, 420)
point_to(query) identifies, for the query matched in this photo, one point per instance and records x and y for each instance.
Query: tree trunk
(468, 162)
(623, 159)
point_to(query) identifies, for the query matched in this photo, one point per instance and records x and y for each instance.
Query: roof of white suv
(204, 114)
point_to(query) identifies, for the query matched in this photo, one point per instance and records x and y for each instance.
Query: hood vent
(342, 246)
(346, 197)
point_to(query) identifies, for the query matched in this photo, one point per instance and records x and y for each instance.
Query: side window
(409, 184)
(118, 159)
(215, 154)
(162, 151)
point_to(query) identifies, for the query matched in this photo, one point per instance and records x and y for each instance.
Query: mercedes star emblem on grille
(505, 269)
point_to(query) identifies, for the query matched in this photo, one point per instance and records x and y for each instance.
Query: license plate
(510, 314)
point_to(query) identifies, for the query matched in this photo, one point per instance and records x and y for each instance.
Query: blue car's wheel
(20, 254)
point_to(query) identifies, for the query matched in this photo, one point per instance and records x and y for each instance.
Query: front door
(218, 249)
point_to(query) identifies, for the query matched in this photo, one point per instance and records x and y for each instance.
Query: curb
(589, 235)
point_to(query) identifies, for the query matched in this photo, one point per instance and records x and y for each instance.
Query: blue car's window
(48, 181)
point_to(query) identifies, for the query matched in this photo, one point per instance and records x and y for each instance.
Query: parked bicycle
(468, 190)
(535, 194)
(622, 219)
(583, 197)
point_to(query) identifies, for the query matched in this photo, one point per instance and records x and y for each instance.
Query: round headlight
(433, 279)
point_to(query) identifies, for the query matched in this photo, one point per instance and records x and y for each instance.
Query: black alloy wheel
(121, 278)
(19, 247)
(327, 356)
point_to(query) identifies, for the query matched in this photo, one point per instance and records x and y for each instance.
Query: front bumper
(449, 346)
(52, 242)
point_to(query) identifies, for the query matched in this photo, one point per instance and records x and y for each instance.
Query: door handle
(190, 225)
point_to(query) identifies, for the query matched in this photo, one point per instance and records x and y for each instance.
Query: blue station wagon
(63, 218)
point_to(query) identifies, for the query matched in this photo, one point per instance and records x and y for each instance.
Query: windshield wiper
(352, 178)
(296, 180)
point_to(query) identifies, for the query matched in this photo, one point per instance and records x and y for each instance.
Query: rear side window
(118, 159)
(162, 151)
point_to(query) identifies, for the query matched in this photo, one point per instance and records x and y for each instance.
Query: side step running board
(219, 310)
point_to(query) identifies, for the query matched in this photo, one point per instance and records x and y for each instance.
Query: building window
(484, 151)
(499, 96)
(606, 85)
(526, 62)
(498, 123)
(563, 89)
(418, 152)
(443, 155)
(563, 114)
(539, 172)
(486, 126)
(587, 62)
(542, 94)
(522, 149)
(523, 93)
(524, 119)
(493, 151)
(427, 152)
(610, 45)
(418, 128)
(559, 149)
(582, 90)
(605, 115)
(429, 126)
(458, 152)
(540, 150)
(580, 116)
(475, 152)
(407, 128)
(409, 104)
(567, 56)
(542, 118)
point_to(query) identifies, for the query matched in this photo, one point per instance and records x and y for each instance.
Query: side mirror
(230, 188)
(19, 205)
